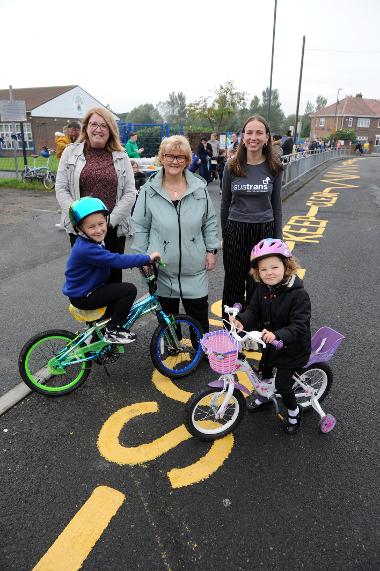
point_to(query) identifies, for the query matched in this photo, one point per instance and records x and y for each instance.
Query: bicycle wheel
(200, 410)
(319, 377)
(45, 375)
(166, 357)
(49, 180)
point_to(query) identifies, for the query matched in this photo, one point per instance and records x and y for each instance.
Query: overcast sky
(125, 53)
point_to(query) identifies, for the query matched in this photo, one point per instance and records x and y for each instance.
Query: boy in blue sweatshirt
(88, 269)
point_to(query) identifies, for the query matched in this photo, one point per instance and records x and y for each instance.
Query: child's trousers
(117, 297)
(284, 384)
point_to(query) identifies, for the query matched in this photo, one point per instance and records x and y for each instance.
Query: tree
(306, 119)
(261, 108)
(174, 109)
(345, 135)
(320, 102)
(145, 113)
(217, 114)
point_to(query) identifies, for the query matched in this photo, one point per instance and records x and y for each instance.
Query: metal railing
(298, 165)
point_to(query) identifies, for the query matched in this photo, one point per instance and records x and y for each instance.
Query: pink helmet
(269, 247)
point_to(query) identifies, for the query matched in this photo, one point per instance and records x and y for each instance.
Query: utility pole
(271, 65)
(299, 92)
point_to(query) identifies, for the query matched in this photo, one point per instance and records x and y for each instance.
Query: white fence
(299, 164)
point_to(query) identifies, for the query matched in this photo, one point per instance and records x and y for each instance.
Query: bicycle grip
(277, 344)
(237, 306)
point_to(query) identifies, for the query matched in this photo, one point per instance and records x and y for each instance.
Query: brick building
(358, 113)
(48, 110)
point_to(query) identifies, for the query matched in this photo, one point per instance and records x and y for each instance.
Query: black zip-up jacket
(285, 310)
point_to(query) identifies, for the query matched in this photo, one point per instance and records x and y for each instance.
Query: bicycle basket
(222, 351)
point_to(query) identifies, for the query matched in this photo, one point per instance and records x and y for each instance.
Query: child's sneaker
(292, 428)
(118, 335)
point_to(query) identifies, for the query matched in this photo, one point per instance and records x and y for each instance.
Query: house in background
(48, 110)
(358, 113)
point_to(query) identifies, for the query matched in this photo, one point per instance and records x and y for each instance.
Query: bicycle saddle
(87, 314)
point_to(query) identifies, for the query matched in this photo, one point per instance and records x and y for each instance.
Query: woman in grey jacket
(175, 215)
(98, 166)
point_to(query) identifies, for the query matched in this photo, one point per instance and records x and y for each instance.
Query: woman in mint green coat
(174, 214)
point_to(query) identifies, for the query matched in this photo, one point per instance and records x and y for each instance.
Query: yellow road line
(75, 543)
(168, 388)
(109, 445)
(204, 467)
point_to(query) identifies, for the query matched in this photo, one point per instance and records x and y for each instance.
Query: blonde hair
(113, 143)
(291, 266)
(175, 142)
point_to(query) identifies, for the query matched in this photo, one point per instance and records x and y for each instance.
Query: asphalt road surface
(108, 478)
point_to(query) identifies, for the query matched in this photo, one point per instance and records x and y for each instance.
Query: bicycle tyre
(320, 377)
(35, 355)
(198, 416)
(169, 361)
(49, 181)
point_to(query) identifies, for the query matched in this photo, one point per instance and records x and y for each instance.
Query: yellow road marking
(168, 388)
(75, 543)
(216, 308)
(216, 322)
(109, 445)
(206, 466)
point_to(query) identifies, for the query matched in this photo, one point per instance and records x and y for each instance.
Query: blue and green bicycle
(57, 362)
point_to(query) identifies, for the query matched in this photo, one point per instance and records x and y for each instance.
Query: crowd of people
(104, 198)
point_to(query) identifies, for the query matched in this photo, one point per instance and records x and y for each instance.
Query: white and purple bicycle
(218, 410)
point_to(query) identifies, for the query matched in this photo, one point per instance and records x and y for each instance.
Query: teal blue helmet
(83, 207)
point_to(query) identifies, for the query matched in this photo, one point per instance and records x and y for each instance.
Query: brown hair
(291, 266)
(113, 143)
(238, 163)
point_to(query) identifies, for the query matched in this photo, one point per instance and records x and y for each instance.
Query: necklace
(176, 192)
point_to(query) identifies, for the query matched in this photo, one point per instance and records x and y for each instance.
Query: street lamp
(336, 109)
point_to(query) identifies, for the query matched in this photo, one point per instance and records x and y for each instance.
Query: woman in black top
(251, 208)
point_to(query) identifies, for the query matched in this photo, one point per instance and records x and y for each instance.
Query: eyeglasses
(178, 158)
(95, 125)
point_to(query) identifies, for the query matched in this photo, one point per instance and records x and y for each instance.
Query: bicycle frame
(79, 348)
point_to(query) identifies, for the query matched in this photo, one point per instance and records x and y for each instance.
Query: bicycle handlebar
(253, 335)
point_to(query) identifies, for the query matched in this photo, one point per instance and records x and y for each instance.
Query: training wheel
(327, 423)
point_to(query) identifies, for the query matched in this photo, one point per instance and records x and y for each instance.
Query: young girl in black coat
(280, 308)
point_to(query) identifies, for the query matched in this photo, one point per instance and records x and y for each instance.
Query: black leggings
(197, 308)
(284, 384)
(118, 297)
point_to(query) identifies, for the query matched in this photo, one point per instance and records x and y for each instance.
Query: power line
(342, 51)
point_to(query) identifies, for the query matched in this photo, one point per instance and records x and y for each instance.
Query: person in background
(140, 177)
(70, 134)
(366, 147)
(276, 144)
(96, 165)
(195, 162)
(287, 145)
(215, 153)
(204, 152)
(174, 214)
(132, 148)
(251, 207)
(221, 163)
(234, 142)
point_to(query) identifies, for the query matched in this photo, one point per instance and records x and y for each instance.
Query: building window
(321, 121)
(10, 136)
(377, 141)
(350, 119)
(362, 122)
(378, 122)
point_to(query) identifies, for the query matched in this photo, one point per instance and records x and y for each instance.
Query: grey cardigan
(67, 186)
